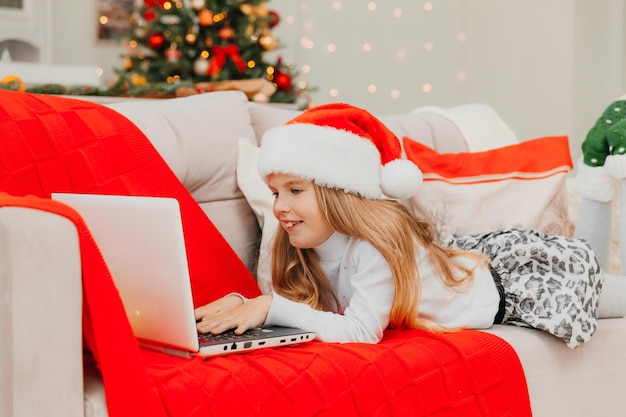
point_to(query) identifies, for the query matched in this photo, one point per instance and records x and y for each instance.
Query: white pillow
(260, 198)
(481, 127)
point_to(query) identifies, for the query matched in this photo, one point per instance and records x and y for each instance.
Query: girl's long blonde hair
(390, 228)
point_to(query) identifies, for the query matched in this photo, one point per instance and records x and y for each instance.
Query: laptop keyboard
(230, 336)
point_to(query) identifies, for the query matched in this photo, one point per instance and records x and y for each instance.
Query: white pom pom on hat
(340, 146)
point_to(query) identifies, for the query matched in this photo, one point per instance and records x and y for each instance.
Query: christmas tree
(203, 44)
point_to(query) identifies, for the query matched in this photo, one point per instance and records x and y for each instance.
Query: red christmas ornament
(156, 40)
(274, 18)
(150, 3)
(283, 81)
(226, 33)
(149, 15)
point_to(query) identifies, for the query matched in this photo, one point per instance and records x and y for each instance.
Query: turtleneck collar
(333, 248)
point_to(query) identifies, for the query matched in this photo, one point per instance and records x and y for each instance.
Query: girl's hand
(222, 305)
(240, 317)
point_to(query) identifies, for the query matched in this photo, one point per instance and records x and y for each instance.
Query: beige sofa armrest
(41, 311)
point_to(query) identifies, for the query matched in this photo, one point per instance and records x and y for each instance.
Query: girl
(348, 261)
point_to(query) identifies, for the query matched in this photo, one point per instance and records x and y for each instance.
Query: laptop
(141, 240)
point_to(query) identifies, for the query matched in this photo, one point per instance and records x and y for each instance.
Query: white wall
(74, 25)
(547, 67)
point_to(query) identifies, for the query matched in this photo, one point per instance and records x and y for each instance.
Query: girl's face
(296, 208)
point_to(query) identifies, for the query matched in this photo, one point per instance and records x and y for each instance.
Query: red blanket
(56, 144)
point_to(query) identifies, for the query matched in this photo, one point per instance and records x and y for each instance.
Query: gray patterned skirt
(550, 283)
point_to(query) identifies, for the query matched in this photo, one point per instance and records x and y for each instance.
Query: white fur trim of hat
(593, 183)
(616, 165)
(340, 146)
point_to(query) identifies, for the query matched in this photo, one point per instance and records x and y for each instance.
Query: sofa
(55, 313)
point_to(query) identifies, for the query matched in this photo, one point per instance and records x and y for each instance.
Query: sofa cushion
(197, 136)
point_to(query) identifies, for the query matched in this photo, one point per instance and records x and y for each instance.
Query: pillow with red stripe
(516, 186)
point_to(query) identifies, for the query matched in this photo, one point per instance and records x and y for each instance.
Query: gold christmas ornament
(191, 38)
(268, 42)
(138, 79)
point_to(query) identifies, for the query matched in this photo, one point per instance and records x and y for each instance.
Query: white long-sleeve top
(362, 281)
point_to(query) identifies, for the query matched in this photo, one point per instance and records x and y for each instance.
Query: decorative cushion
(516, 186)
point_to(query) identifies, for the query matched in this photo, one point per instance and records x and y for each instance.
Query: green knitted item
(607, 136)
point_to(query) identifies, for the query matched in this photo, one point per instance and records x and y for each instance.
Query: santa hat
(340, 146)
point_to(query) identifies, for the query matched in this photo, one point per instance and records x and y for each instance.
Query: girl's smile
(289, 225)
(297, 210)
